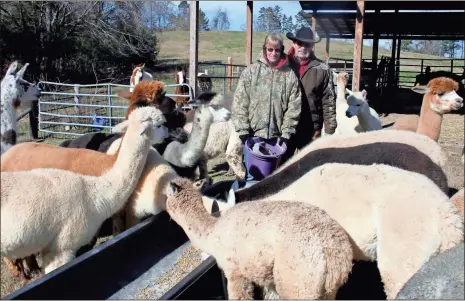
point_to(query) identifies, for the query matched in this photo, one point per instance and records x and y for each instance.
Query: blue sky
(237, 9)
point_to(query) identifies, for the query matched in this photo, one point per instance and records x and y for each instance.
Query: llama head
(441, 94)
(357, 101)
(210, 105)
(15, 89)
(149, 121)
(138, 73)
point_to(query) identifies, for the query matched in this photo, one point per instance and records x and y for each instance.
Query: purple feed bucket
(262, 163)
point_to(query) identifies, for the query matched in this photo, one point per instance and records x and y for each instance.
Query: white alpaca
(55, 212)
(356, 116)
(138, 75)
(15, 91)
(223, 139)
(341, 80)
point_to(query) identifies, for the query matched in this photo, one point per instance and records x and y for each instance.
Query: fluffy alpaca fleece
(138, 74)
(146, 93)
(223, 139)
(439, 98)
(73, 206)
(356, 115)
(441, 278)
(402, 149)
(397, 217)
(341, 80)
(210, 109)
(458, 199)
(14, 92)
(294, 248)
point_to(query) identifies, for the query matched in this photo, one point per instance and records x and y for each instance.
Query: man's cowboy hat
(304, 34)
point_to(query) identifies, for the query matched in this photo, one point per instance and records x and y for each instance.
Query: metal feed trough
(133, 260)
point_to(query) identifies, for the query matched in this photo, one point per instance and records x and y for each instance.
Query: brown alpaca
(291, 247)
(146, 93)
(440, 98)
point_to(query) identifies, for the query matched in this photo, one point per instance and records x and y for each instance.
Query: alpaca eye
(358, 105)
(441, 94)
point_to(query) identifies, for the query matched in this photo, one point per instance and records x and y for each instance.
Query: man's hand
(316, 135)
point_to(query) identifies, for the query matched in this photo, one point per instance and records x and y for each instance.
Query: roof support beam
(358, 46)
(249, 34)
(194, 45)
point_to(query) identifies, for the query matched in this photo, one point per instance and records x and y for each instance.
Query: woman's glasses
(273, 49)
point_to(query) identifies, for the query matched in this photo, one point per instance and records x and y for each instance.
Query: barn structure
(359, 20)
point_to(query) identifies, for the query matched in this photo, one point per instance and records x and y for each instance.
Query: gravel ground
(451, 139)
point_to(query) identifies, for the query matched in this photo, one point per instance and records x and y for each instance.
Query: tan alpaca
(439, 98)
(294, 248)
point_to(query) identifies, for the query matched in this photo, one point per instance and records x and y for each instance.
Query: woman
(267, 100)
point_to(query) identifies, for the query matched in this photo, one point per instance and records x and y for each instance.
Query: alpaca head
(149, 121)
(15, 89)
(146, 93)
(180, 191)
(210, 105)
(356, 101)
(137, 74)
(340, 78)
(441, 94)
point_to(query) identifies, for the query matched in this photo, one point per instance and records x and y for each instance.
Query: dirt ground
(451, 139)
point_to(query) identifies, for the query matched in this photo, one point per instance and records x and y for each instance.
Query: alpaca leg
(234, 158)
(131, 219)
(12, 266)
(239, 288)
(204, 179)
(32, 266)
(118, 223)
(54, 260)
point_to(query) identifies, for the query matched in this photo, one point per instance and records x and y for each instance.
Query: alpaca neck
(194, 219)
(340, 93)
(430, 121)
(365, 118)
(198, 136)
(8, 115)
(120, 181)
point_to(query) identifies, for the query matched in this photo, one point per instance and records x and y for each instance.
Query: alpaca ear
(20, 73)
(173, 189)
(126, 95)
(420, 89)
(349, 91)
(364, 94)
(12, 68)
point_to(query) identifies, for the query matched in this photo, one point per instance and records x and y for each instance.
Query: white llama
(138, 75)
(14, 91)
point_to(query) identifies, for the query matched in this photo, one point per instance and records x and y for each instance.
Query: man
(267, 100)
(318, 95)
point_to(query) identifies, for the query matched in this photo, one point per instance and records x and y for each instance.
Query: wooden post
(34, 120)
(328, 39)
(314, 24)
(249, 33)
(374, 55)
(229, 73)
(358, 46)
(194, 46)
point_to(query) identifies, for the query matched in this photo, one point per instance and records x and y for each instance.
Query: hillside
(218, 45)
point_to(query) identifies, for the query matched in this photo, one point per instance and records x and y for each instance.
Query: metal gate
(68, 109)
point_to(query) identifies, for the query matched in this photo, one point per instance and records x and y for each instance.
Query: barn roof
(419, 20)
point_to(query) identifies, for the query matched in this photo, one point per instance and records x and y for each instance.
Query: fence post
(34, 120)
(421, 70)
(110, 111)
(229, 73)
(452, 65)
(76, 98)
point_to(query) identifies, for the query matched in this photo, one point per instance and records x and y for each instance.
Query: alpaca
(441, 278)
(414, 225)
(14, 92)
(204, 83)
(138, 74)
(367, 118)
(223, 139)
(341, 80)
(294, 248)
(83, 202)
(439, 98)
(187, 155)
